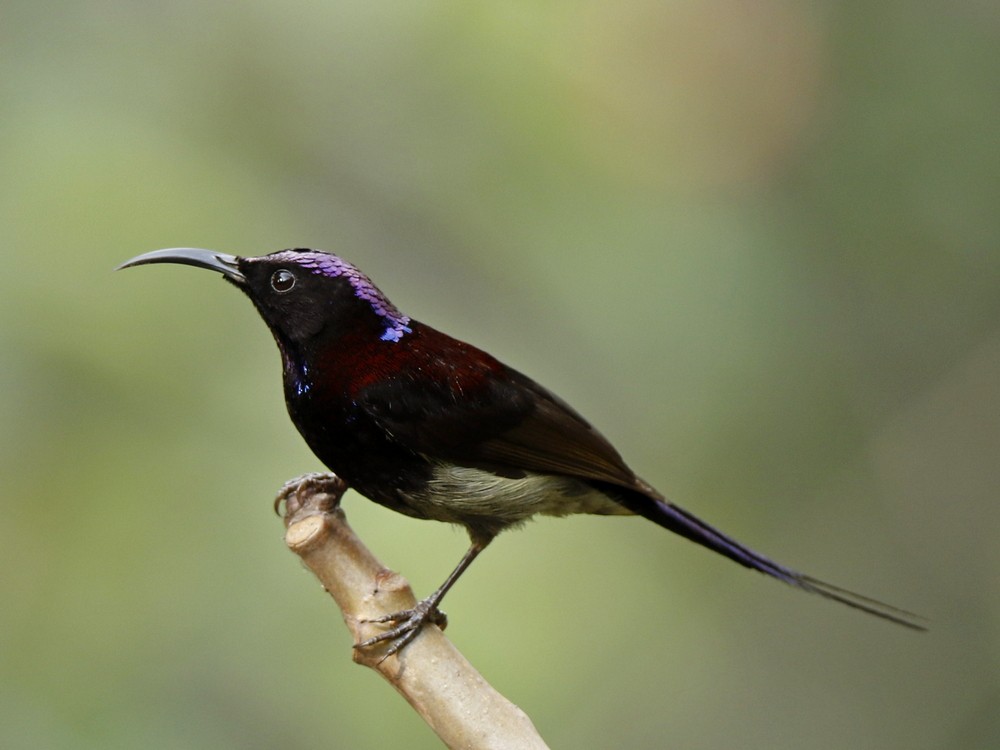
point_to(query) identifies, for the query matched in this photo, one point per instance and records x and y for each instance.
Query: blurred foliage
(756, 243)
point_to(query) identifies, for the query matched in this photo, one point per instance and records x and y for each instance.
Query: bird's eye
(282, 281)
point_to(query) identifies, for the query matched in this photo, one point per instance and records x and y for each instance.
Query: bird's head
(302, 294)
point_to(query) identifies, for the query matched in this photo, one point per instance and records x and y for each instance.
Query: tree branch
(451, 696)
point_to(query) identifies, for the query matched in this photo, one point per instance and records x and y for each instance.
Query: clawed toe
(312, 482)
(408, 623)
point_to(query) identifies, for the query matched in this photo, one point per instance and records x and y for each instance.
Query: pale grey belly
(461, 494)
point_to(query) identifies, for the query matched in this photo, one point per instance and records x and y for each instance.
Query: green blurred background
(758, 244)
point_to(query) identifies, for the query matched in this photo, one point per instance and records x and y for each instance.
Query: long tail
(678, 520)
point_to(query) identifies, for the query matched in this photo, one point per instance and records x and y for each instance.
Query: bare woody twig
(451, 696)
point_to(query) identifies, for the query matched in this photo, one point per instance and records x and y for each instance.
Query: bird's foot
(293, 491)
(408, 623)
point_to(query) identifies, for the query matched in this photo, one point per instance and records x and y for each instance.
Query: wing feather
(493, 417)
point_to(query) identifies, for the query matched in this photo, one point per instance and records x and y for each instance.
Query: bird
(435, 428)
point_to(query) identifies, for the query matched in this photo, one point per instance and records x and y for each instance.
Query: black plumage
(435, 428)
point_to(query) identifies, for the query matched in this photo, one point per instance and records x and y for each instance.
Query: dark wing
(552, 437)
(459, 404)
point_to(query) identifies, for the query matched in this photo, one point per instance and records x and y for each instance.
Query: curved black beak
(227, 265)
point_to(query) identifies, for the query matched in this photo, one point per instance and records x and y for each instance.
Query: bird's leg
(409, 622)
